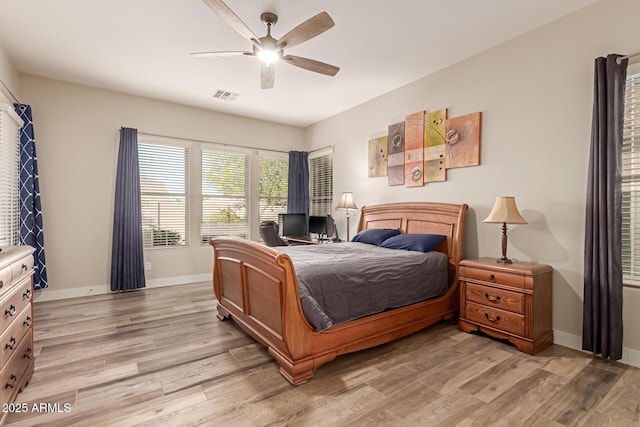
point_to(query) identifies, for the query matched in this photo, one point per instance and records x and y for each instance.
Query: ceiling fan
(270, 50)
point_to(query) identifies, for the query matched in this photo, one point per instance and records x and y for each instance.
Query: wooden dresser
(509, 301)
(16, 322)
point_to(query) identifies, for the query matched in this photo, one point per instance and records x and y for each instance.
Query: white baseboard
(630, 356)
(53, 295)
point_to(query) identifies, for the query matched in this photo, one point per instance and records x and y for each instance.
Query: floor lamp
(346, 202)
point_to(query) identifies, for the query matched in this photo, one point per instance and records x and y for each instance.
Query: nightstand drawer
(493, 276)
(499, 319)
(494, 297)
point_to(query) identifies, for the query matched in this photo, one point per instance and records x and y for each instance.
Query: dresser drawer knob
(10, 311)
(12, 384)
(28, 354)
(11, 345)
(27, 294)
(27, 321)
(492, 298)
(492, 277)
(1, 284)
(24, 267)
(492, 319)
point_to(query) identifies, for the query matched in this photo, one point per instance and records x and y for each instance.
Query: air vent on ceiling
(225, 95)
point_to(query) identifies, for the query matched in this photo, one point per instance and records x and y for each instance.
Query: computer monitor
(318, 225)
(293, 224)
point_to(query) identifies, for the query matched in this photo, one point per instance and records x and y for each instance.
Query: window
(225, 194)
(631, 183)
(164, 191)
(321, 183)
(273, 175)
(10, 125)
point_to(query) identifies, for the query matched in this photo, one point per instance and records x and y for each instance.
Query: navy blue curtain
(31, 230)
(602, 311)
(298, 195)
(127, 256)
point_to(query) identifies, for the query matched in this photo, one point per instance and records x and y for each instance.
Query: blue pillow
(375, 236)
(414, 242)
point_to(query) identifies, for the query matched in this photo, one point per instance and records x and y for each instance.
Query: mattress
(339, 282)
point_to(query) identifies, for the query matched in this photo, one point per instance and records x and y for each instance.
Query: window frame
(146, 139)
(10, 123)
(631, 178)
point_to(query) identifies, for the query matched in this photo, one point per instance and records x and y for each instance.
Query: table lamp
(506, 212)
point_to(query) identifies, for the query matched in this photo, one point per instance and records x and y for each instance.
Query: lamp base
(504, 260)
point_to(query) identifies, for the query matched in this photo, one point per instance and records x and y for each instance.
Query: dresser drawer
(12, 375)
(494, 297)
(14, 302)
(494, 317)
(5, 280)
(21, 268)
(10, 339)
(492, 276)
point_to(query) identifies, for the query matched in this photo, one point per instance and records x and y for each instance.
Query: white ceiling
(142, 47)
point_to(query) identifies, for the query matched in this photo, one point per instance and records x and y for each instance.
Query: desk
(306, 241)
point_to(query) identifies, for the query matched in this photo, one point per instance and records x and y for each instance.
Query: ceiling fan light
(268, 56)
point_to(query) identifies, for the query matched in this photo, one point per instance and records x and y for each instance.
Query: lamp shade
(346, 201)
(505, 211)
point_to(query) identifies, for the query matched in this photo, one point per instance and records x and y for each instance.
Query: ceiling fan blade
(311, 65)
(228, 16)
(222, 54)
(307, 30)
(267, 76)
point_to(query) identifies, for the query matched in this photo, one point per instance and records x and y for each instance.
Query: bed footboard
(257, 287)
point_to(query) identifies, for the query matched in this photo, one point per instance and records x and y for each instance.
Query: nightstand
(508, 301)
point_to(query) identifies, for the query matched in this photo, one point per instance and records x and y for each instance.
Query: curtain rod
(622, 58)
(226, 145)
(8, 93)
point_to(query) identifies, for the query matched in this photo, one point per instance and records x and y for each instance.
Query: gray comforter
(345, 281)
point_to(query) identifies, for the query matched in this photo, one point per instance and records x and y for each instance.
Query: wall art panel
(395, 160)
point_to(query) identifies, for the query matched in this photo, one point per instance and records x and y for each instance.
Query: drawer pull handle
(492, 319)
(28, 354)
(24, 267)
(492, 298)
(492, 277)
(1, 284)
(27, 321)
(11, 345)
(27, 294)
(10, 311)
(13, 380)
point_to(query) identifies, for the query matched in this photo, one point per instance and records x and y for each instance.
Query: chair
(269, 233)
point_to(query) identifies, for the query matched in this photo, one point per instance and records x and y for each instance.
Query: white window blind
(321, 184)
(10, 125)
(225, 195)
(631, 183)
(164, 191)
(273, 175)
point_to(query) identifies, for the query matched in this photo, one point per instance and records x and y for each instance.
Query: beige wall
(77, 131)
(8, 75)
(535, 94)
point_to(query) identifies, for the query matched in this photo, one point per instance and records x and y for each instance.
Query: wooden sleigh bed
(257, 287)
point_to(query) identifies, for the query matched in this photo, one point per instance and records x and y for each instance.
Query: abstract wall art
(395, 160)
(414, 150)
(434, 146)
(420, 149)
(463, 141)
(378, 148)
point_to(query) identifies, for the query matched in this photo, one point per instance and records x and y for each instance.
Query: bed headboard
(421, 218)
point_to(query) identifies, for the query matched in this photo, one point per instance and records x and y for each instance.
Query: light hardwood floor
(160, 357)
